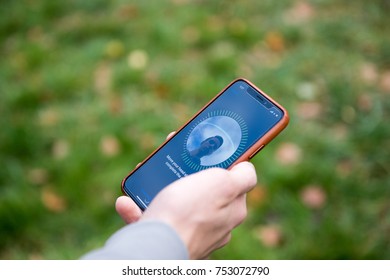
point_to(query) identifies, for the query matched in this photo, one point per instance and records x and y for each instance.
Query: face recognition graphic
(216, 137)
(215, 140)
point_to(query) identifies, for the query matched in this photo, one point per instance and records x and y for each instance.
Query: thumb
(127, 209)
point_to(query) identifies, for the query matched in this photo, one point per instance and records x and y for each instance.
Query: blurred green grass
(89, 88)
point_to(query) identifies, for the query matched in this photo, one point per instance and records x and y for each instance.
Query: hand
(203, 208)
(127, 208)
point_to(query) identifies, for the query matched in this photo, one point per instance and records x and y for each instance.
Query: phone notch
(260, 98)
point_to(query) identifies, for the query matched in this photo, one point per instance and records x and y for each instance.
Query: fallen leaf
(161, 90)
(116, 105)
(269, 235)
(256, 196)
(288, 153)
(109, 146)
(60, 149)
(182, 112)
(138, 59)
(52, 200)
(369, 73)
(102, 79)
(300, 12)
(128, 11)
(385, 82)
(35, 256)
(313, 196)
(340, 131)
(48, 117)
(148, 141)
(365, 102)
(309, 110)
(344, 168)
(215, 24)
(275, 41)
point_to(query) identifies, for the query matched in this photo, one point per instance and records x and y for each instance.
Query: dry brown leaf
(102, 79)
(300, 12)
(110, 146)
(275, 41)
(385, 82)
(148, 141)
(309, 110)
(256, 196)
(48, 117)
(369, 73)
(182, 112)
(161, 90)
(365, 102)
(344, 168)
(128, 11)
(52, 200)
(215, 24)
(60, 149)
(116, 105)
(35, 256)
(340, 131)
(269, 235)
(289, 153)
(313, 196)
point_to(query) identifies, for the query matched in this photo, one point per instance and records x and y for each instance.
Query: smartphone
(235, 125)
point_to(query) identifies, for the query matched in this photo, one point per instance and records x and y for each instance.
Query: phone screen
(216, 137)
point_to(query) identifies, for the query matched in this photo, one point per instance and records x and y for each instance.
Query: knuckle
(242, 215)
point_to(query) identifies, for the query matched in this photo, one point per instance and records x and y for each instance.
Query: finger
(127, 209)
(239, 209)
(244, 174)
(170, 135)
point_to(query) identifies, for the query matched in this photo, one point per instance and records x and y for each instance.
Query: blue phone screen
(216, 137)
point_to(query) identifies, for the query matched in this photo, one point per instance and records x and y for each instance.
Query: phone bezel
(263, 141)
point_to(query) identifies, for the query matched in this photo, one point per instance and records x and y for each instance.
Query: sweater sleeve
(143, 240)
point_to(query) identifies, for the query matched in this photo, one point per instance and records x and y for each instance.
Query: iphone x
(236, 124)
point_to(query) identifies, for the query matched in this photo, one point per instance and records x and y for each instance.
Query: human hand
(127, 208)
(204, 207)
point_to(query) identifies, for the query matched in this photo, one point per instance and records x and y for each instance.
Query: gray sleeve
(142, 241)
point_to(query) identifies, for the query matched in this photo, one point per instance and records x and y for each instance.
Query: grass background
(89, 88)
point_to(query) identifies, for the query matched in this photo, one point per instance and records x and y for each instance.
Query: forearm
(142, 240)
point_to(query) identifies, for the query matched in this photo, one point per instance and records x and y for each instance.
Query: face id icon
(214, 140)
